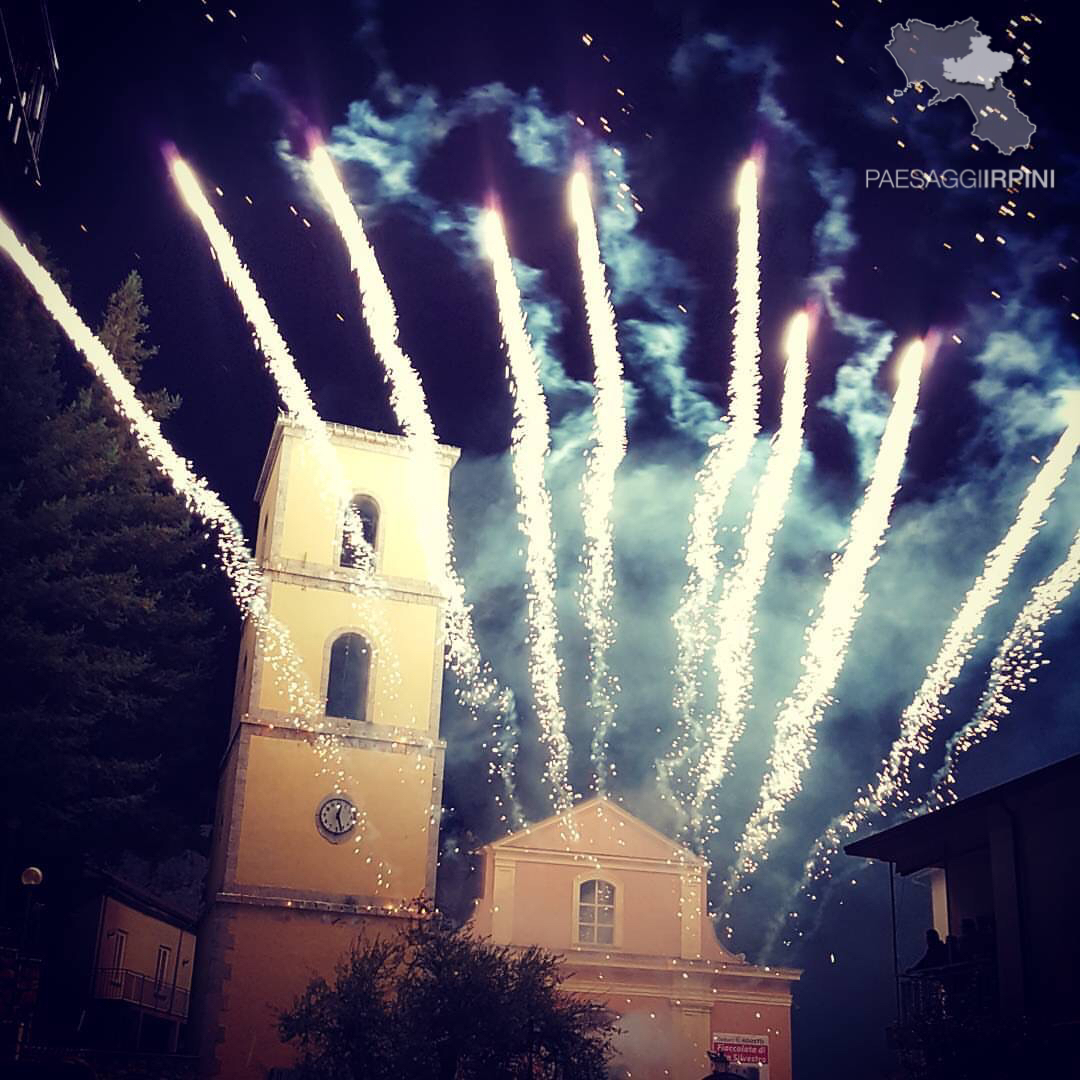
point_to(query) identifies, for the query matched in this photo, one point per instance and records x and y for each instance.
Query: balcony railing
(965, 991)
(123, 984)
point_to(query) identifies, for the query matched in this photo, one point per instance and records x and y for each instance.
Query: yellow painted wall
(268, 510)
(670, 998)
(144, 935)
(281, 952)
(262, 944)
(661, 1039)
(222, 822)
(603, 829)
(544, 907)
(279, 842)
(405, 497)
(403, 666)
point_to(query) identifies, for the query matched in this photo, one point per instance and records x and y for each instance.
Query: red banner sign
(742, 1049)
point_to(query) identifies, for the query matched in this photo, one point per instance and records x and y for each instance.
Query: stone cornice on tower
(344, 435)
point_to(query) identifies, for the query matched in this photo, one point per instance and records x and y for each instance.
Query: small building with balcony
(120, 978)
(1003, 869)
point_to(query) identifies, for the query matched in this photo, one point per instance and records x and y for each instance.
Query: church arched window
(596, 912)
(367, 510)
(350, 671)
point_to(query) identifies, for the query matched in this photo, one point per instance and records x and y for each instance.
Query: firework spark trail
(410, 409)
(336, 489)
(530, 445)
(279, 360)
(598, 485)
(1017, 659)
(725, 460)
(407, 397)
(1011, 670)
(828, 638)
(735, 617)
(919, 720)
(245, 577)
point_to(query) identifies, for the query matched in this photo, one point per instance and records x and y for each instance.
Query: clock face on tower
(336, 817)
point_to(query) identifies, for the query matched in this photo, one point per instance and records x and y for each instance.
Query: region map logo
(957, 62)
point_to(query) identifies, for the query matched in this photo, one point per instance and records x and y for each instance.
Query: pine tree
(109, 641)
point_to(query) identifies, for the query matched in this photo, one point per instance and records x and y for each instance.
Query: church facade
(625, 906)
(328, 828)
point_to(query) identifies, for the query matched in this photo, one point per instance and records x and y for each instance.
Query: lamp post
(31, 877)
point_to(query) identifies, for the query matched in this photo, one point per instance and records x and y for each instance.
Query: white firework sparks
(410, 408)
(336, 488)
(919, 720)
(1017, 658)
(279, 360)
(735, 616)
(725, 459)
(245, 577)
(305, 709)
(529, 451)
(407, 396)
(598, 486)
(828, 637)
(1011, 671)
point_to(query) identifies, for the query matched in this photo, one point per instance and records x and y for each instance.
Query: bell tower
(328, 827)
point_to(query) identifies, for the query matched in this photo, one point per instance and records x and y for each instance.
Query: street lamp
(31, 877)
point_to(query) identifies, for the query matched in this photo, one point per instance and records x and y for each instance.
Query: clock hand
(339, 821)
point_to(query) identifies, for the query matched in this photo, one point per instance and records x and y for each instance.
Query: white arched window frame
(598, 904)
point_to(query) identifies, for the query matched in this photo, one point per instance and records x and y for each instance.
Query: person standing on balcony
(936, 955)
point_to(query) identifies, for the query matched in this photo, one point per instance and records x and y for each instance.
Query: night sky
(439, 110)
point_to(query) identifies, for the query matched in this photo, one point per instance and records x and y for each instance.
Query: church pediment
(603, 829)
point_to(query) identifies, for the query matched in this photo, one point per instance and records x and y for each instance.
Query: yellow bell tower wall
(386, 865)
(403, 637)
(282, 883)
(302, 517)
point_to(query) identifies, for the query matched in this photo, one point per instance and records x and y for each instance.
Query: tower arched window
(367, 510)
(596, 913)
(350, 672)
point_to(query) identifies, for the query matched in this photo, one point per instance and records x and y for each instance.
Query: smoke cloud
(1019, 376)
